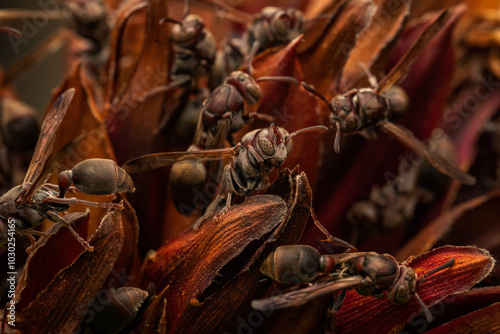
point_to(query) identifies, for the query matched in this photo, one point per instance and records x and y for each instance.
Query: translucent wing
(302, 296)
(45, 142)
(10, 30)
(400, 69)
(222, 9)
(406, 137)
(157, 160)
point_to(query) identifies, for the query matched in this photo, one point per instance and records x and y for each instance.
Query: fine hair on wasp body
(30, 203)
(370, 273)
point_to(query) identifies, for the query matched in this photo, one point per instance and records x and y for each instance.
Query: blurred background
(35, 83)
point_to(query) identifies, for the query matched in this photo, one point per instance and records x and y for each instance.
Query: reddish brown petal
(126, 114)
(190, 262)
(361, 314)
(126, 268)
(324, 61)
(384, 26)
(46, 258)
(228, 308)
(67, 297)
(481, 321)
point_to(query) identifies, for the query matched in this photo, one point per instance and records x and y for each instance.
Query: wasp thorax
(403, 289)
(246, 86)
(382, 270)
(188, 31)
(293, 264)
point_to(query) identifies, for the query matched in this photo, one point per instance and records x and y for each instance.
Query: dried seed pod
(296, 264)
(96, 177)
(123, 306)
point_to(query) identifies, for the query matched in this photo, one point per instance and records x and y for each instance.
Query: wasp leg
(58, 219)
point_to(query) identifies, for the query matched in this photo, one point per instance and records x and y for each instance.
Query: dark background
(35, 84)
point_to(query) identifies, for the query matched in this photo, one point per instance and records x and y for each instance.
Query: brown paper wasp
(30, 203)
(359, 110)
(257, 154)
(371, 274)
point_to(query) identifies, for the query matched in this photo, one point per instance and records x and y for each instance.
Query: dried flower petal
(65, 300)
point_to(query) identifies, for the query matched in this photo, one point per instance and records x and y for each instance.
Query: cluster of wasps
(253, 158)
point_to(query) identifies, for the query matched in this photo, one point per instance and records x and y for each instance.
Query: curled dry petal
(67, 297)
(325, 59)
(389, 17)
(213, 273)
(190, 262)
(361, 314)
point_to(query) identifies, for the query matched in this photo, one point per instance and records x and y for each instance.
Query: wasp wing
(401, 68)
(406, 137)
(47, 47)
(45, 142)
(222, 9)
(10, 30)
(158, 160)
(302, 296)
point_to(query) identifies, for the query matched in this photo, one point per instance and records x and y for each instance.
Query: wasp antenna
(435, 270)
(315, 92)
(169, 20)
(308, 129)
(425, 309)
(336, 145)
(279, 78)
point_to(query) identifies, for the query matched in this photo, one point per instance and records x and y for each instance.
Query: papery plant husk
(212, 273)
(134, 69)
